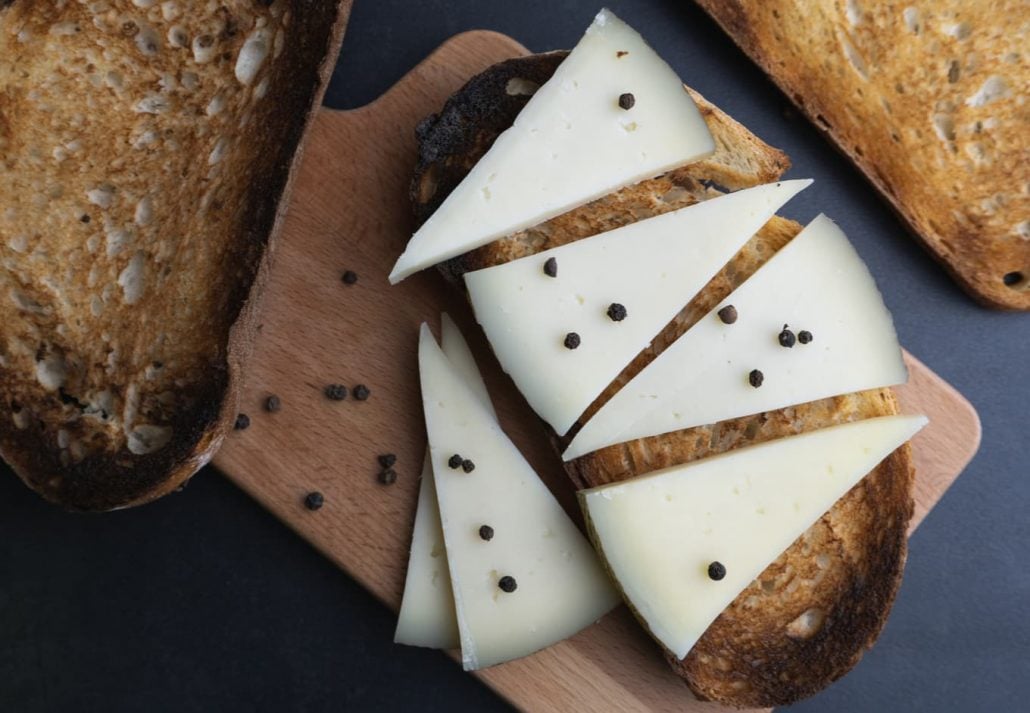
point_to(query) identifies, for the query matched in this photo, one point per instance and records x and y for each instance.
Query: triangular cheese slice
(817, 284)
(570, 144)
(537, 580)
(660, 534)
(651, 268)
(427, 615)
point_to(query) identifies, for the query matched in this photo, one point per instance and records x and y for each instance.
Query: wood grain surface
(349, 212)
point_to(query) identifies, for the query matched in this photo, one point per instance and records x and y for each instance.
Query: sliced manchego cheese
(652, 268)
(660, 533)
(427, 615)
(572, 143)
(816, 283)
(560, 587)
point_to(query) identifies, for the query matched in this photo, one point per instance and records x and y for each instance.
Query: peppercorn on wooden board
(349, 212)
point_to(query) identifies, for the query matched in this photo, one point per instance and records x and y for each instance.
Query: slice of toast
(927, 100)
(810, 616)
(145, 152)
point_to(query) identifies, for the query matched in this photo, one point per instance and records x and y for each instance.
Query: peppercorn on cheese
(427, 608)
(613, 114)
(614, 292)
(530, 578)
(682, 543)
(815, 295)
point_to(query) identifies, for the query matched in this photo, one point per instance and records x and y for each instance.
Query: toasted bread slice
(810, 616)
(144, 154)
(927, 100)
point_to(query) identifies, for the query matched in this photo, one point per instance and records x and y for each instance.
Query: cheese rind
(653, 268)
(561, 587)
(659, 533)
(816, 283)
(570, 144)
(426, 617)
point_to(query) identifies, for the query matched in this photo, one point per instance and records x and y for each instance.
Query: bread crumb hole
(519, 87)
(911, 17)
(807, 625)
(944, 125)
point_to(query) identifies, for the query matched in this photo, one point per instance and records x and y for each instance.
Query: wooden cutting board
(349, 212)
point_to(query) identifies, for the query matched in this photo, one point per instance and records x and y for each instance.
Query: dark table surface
(204, 602)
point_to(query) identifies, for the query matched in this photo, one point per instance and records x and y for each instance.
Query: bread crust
(845, 570)
(142, 388)
(901, 91)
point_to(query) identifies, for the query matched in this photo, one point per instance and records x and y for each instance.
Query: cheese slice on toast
(683, 542)
(817, 284)
(613, 114)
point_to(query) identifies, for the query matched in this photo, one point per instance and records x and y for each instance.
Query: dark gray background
(203, 601)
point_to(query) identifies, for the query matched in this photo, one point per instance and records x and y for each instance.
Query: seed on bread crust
(273, 404)
(314, 500)
(350, 277)
(242, 422)
(361, 392)
(388, 476)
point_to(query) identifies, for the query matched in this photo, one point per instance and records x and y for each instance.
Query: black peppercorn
(455, 461)
(786, 338)
(486, 532)
(716, 571)
(572, 340)
(313, 501)
(468, 466)
(755, 378)
(361, 392)
(336, 392)
(616, 312)
(728, 314)
(627, 101)
(551, 267)
(242, 422)
(804, 336)
(507, 584)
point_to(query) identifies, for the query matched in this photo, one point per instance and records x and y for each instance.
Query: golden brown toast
(811, 615)
(927, 99)
(145, 150)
